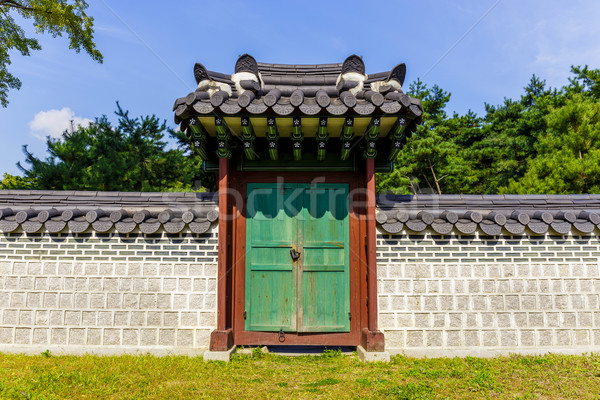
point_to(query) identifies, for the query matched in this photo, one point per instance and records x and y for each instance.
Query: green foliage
(16, 182)
(568, 153)
(128, 157)
(544, 142)
(54, 17)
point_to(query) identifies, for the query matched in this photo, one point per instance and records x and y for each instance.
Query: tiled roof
(79, 211)
(279, 89)
(490, 214)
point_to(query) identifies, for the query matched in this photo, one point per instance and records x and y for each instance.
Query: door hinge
(244, 314)
(349, 315)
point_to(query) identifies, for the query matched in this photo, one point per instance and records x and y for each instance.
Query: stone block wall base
(372, 340)
(221, 340)
(372, 356)
(210, 355)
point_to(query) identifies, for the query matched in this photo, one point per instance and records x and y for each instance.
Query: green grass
(330, 376)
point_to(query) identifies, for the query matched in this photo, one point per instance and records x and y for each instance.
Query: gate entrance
(297, 261)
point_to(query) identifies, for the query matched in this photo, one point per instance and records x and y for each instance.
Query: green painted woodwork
(223, 136)
(248, 138)
(372, 134)
(347, 135)
(297, 137)
(273, 137)
(310, 294)
(322, 137)
(397, 137)
(198, 137)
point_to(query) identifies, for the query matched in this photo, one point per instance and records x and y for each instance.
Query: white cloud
(54, 122)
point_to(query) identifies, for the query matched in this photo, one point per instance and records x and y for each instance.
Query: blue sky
(480, 51)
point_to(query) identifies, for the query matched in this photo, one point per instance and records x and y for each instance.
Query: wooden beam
(371, 246)
(322, 137)
(371, 136)
(297, 138)
(248, 138)
(273, 138)
(346, 137)
(223, 138)
(198, 137)
(223, 240)
(397, 137)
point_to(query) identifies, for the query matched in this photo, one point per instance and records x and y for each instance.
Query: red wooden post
(221, 339)
(371, 246)
(223, 232)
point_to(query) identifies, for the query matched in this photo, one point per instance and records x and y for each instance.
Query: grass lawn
(329, 376)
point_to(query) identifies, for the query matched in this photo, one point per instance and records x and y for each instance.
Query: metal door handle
(294, 254)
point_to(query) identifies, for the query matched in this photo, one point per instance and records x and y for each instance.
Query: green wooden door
(310, 294)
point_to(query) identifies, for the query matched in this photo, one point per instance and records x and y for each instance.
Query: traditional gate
(296, 148)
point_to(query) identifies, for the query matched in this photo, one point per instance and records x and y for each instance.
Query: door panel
(325, 273)
(310, 294)
(272, 212)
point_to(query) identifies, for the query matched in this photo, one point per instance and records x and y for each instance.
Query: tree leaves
(53, 17)
(128, 157)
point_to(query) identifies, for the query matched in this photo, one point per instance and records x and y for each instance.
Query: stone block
(95, 284)
(148, 301)
(26, 283)
(154, 318)
(568, 320)
(490, 338)
(20, 268)
(114, 300)
(17, 300)
(91, 269)
(545, 338)
(72, 317)
(107, 269)
(94, 336)
(6, 268)
(181, 269)
(149, 269)
(89, 318)
(97, 300)
(140, 284)
(121, 318)
(166, 337)
(81, 300)
(472, 338)
(40, 335)
(218, 355)
(433, 338)
(584, 320)
(581, 337)
(23, 335)
(414, 338)
(41, 283)
(370, 356)
(134, 269)
(112, 337)
(508, 338)
(110, 284)
(553, 319)
(125, 284)
(105, 318)
(169, 284)
(65, 268)
(148, 337)
(58, 336)
(527, 338)
(163, 301)
(563, 337)
(131, 337)
(66, 300)
(34, 300)
(77, 336)
(154, 285)
(138, 318)
(167, 270)
(185, 338)
(453, 338)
